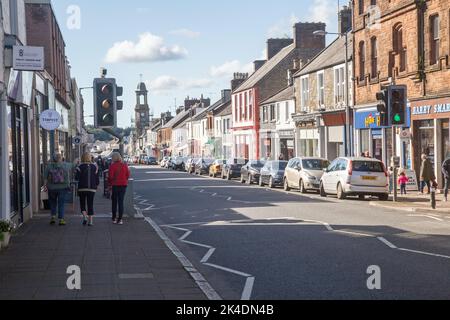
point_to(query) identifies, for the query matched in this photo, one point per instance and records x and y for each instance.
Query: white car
(304, 174)
(355, 177)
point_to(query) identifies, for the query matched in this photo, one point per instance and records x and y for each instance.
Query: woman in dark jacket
(88, 180)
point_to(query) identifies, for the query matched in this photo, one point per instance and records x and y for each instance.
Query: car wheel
(249, 180)
(242, 179)
(228, 176)
(286, 186)
(271, 185)
(362, 197)
(384, 197)
(261, 184)
(322, 192)
(302, 187)
(222, 176)
(340, 192)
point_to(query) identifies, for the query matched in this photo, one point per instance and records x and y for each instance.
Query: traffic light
(119, 93)
(383, 107)
(398, 105)
(105, 103)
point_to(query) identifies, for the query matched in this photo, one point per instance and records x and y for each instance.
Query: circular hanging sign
(50, 120)
(77, 140)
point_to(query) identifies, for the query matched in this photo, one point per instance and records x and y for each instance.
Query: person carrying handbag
(119, 174)
(88, 179)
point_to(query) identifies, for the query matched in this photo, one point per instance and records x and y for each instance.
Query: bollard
(129, 200)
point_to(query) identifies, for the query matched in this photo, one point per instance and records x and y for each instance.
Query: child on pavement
(403, 182)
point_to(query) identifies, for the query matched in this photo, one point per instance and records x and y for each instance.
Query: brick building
(403, 42)
(269, 79)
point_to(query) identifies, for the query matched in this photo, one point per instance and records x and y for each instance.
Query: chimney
(304, 37)
(276, 45)
(345, 19)
(296, 64)
(226, 95)
(238, 79)
(258, 64)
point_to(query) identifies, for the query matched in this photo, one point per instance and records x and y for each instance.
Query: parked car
(304, 174)
(355, 177)
(151, 161)
(202, 166)
(232, 168)
(272, 173)
(178, 163)
(216, 168)
(251, 172)
(190, 165)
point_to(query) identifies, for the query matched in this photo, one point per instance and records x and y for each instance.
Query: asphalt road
(260, 244)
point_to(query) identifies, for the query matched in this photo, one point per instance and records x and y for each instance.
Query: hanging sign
(26, 58)
(50, 120)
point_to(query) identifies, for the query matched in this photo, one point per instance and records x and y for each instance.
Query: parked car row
(344, 177)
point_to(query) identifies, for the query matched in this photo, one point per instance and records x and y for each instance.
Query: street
(260, 244)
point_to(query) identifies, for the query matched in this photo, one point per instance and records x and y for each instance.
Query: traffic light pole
(394, 166)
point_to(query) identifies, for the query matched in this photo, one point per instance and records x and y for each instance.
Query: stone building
(404, 43)
(142, 109)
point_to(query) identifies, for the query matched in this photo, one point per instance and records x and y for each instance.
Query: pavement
(253, 243)
(129, 262)
(415, 202)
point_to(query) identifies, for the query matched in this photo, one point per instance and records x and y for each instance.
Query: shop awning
(336, 118)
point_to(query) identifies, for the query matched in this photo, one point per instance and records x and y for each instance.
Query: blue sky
(181, 47)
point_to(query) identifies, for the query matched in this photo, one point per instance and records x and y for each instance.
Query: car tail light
(350, 168)
(385, 171)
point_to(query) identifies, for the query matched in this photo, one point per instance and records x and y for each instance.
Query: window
(362, 61)
(264, 114)
(320, 88)
(250, 102)
(287, 112)
(305, 92)
(339, 85)
(361, 6)
(272, 113)
(434, 39)
(398, 46)
(278, 112)
(374, 58)
(246, 106)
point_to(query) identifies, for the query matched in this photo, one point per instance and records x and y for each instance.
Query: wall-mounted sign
(77, 141)
(50, 120)
(26, 58)
(431, 109)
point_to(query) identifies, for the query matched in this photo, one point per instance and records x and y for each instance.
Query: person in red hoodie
(403, 182)
(119, 174)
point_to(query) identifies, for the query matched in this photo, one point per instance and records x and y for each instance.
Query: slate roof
(179, 117)
(226, 111)
(265, 69)
(283, 95)
(331, 56)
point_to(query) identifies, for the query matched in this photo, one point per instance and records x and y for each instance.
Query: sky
(180, 48)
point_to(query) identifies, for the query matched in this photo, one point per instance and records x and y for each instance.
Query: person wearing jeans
(87, 175)
(57, 177)
(118, 177)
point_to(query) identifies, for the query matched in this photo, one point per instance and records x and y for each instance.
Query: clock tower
(142, 109)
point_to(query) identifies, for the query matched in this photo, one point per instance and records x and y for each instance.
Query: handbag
(44, 194)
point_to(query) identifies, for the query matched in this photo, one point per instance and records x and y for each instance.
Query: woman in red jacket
(119, 174)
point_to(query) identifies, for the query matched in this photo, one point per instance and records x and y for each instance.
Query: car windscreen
(279, 166)
(315, 164)
(367, 166)
(257, 164)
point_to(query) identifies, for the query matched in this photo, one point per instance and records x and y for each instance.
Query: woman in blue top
(88, 180)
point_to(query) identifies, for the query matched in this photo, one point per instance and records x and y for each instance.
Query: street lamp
(348, 144)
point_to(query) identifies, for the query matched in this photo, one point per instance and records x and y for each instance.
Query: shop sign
(372, 120)
(431, 109)
(50, 120)
(26, 58)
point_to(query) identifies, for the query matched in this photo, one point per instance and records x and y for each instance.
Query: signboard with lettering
(50, 120)
(371, 119)
(26, 58)
(431, 109)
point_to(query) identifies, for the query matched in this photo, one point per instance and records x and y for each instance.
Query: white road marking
(355, 233)
(239, 273)
(246, 295)
(386, 242)
(169, 179)
(425, 253)
(426, 216)
(208, 255)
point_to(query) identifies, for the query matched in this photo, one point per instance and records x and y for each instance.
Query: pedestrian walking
(403, 182)
(88, 178)
(57, 178)
(119, 174)
(446, 173)
(426, 174)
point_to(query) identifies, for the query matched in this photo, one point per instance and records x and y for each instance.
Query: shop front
(286, 144)
(430, 128)
(376, 140)
(307, 136)
(334, 133)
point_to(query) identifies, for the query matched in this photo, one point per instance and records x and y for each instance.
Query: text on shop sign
(438, 108)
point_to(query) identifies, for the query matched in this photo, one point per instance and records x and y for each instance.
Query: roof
(226, 111)
(265, 69)
(179, 117)
(331, 56)
(142, 87)
(283, 95)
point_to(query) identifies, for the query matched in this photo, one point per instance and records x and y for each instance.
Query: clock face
(143, 115)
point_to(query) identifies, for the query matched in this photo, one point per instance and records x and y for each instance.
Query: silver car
(304, 174)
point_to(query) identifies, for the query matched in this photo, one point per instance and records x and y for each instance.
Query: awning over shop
(336, 118)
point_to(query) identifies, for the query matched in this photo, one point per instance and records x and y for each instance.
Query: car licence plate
(369, 178)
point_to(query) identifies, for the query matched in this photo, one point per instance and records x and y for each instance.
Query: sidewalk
(128, 262)
(415, 202)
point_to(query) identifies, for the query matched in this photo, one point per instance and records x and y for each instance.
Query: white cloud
(185, 33)
(167, 83)
(322, 11)
(230, 67)
(283, 28)
(149, 48)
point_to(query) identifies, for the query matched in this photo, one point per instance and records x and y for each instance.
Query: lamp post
(347, 143)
